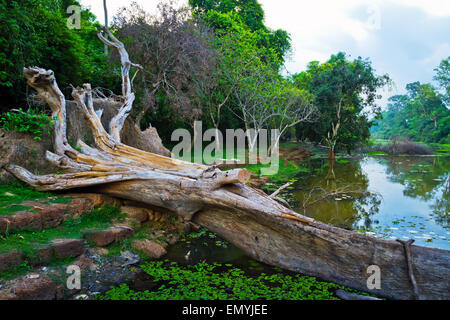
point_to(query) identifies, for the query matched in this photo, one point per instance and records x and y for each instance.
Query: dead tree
(182, 187)
(264, 228)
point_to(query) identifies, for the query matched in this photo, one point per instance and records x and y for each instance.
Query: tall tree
(345, 93)
(443, 78)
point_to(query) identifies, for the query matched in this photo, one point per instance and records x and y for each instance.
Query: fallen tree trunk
(260, 225)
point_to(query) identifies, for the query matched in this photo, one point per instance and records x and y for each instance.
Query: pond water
(389, 197)
(203, 266)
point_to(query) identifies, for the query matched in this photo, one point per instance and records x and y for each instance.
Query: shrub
(405, 146)
(398, 146)
(32, 121)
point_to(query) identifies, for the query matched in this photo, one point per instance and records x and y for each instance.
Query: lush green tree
(425, 102)
(345, 93)
(35, 32)
(250, 11)
(226, 16)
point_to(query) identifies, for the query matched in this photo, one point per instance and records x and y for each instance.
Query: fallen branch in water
(277, 192)
(324, 194)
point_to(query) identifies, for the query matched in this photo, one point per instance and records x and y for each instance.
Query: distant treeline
(422, 114)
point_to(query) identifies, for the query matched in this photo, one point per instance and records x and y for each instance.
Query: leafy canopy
(237, 16)
(338, 82)
(35, 33)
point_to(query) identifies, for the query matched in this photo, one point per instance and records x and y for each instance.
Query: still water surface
(389, 197)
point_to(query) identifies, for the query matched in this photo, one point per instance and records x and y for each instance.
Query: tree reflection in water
(375, 191)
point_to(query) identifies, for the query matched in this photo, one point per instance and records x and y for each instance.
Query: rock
(48, 215)
(149, 248)
(98, 200)
(10, 260)
(21, 149)
(40, 288)
(85, 263)
(21, 220)
(45, 254)
(60, 249)
(52, 216)
(121, 232)
(64, 248)
(140, 215)
(79, 206)
(103, 238)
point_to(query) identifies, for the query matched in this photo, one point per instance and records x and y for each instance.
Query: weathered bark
(257, 223)
(78, 127)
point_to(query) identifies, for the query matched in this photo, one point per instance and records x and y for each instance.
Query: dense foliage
(35, 33)
(243, 16)
(32, 121)
(422, 114)
(205, 66)
(345, 92)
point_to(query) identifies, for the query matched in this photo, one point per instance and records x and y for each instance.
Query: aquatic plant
(218, 281)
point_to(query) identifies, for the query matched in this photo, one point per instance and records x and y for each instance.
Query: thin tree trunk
(105, 9)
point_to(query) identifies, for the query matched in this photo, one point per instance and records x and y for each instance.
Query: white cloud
(439, 8)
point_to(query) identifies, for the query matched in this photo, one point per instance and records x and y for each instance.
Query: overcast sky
(405, 38)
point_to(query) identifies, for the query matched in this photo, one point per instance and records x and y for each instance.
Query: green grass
(11, 209)
(30, 241)
(218, 281)
(13, 194)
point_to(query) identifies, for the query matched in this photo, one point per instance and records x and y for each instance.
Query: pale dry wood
(277, 192)
(116, 124)
(407, 247)
(344, 295)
